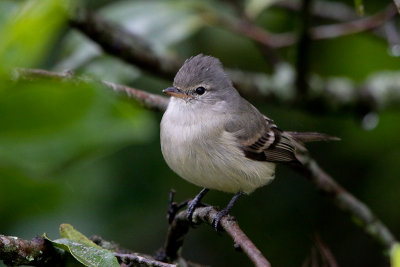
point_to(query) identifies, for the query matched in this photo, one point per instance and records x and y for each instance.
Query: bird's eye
(200, 90)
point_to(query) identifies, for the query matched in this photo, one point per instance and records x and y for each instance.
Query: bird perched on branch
(214, 138)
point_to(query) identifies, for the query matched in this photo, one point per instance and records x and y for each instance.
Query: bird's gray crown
(201, 70)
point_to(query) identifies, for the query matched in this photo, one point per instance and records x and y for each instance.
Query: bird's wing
(266, 141)
(274, 145)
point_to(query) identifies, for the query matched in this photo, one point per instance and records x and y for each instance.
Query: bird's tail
(305, 137)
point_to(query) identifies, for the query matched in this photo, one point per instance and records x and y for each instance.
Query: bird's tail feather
(305, 137)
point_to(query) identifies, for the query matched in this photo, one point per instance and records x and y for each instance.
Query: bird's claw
(190, 210)
(192, 206)
(217, 218)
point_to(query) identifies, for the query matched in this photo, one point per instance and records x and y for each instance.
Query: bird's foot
(217, 219)
(192, 205)
(225, 211)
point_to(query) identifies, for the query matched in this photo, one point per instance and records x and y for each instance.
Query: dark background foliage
(79, 154)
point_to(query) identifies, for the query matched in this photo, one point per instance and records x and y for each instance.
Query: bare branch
(347, 28)
(142, 260)
(346, 202)
(37, 252)
(397, 4)
(15, 251)
(335, 11)
(279, 40)
(119, 42)
(148, 100)
(180, 226)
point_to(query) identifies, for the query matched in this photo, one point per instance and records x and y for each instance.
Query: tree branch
(148, 100)
(180, 226)
(279, 87)
(347, 28)
(142, 260)
(15, 251)
(37, 252)
(280, 40)
(324, 183)
(346, 202)
(123, 44)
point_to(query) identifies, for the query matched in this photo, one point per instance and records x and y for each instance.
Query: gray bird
(214, 138)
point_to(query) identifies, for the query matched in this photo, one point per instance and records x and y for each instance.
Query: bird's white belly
(210, 158)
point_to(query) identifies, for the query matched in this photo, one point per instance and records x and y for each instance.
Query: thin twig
(326, 254)
(335, 11)
(279, 40)
(347, 28)
(142, 260)
(148, 100)
(180, 226)
(397, 4)
(346, 202)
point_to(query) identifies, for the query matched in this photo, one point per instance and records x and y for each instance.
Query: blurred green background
(77, 153)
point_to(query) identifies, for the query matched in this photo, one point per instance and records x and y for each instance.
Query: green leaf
(359, 7)
(83, 249)
(48, 125)
(26, 36)
(395, 255)
(255, 7)
(69, 232)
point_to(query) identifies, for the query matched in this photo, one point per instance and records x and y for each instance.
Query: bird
(214, 138)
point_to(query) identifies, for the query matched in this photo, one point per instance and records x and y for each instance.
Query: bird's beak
(173, 91)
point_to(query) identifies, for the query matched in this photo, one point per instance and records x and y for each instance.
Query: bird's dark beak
(173, 91)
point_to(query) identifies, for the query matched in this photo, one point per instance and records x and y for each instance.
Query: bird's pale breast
(202, 152)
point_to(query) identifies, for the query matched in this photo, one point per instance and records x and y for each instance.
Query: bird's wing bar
(272, 145)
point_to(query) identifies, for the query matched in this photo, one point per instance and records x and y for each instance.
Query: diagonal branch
(347, 203)
(180, 226)
(123, 44)
(322, 181)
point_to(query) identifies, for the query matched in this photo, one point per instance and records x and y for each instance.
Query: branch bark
(148, 100)
(37, 252)
(123, 44)
(180, 226)
(347, 28)
(347, 203)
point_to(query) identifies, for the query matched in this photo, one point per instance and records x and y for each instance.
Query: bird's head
(201, 79)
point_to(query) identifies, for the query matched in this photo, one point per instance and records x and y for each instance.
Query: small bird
(215, 139)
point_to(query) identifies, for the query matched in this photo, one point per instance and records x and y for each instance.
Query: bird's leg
(195, 203)
(225, 211)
